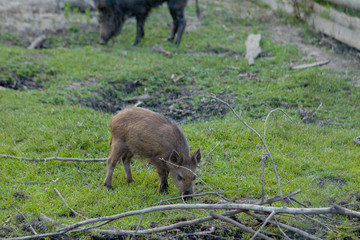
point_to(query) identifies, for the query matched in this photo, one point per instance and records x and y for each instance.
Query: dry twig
(191, 195)
(56, 158)
(263, 142)
(262, 226)
(72, 210)
(5, 181)
(23, 215)
(239, 225)
(315, 64)
(6, 222)
(285, 226)
(277, 198)
(262, 158)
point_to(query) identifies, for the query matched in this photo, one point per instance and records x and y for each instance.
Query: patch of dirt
(18, 82)
(20, 217)
(338, 181)
(32, 18)
(341, 57)
(39, 226)
(217, 52)
(20, 195)
(180, 102)
(4, 231)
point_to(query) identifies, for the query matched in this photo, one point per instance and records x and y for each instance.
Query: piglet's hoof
(109, 188)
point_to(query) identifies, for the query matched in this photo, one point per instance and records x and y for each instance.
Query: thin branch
(263, 142)
(23, 215)
(24, 182)
(262, 226)
(278, 198)
(283, 233)
(313, 219)
(288, 227)
(317, 109)
(6, 222)
(16, 145)
(72, 210)
(191, 195)
(262, 158)
(239, 225)
(92, 227)
(315, 64)
(138, 226)
(202, 234)
(56, 158)
(44, 218)
(298, 202)
(207, 155)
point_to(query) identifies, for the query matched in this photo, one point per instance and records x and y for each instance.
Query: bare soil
(174, 101)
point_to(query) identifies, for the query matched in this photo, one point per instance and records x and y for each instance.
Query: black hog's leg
(181, 25)
(174, 26)
(140, 20)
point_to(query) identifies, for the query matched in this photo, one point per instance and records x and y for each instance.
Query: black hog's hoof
(136, 42)
(169, 39)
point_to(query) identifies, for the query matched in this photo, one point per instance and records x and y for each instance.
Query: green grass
(321, 160)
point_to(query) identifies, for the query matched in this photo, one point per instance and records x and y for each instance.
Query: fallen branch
(72, 210)
(157, 49)
(56, 159)
(138, 226)
(5, 181)
(159, 229)
(232, 206)
(263, 225)
(278, 198)
(144, 97)
(6, 222)
(46, 219)
(37, 42)
(315, 64)
(285, 226)
(23, 215)
(239, 225)
(283, 233)
(191, 195)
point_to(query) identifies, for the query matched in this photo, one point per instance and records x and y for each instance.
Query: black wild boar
(138, 131)
(113, 13)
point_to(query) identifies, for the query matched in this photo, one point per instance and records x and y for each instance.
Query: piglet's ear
(175, 158)
(196, 156)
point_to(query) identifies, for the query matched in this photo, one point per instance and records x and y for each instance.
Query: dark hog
(113, 13)
(141, 132)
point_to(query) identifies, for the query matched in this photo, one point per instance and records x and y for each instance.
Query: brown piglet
(141, 132)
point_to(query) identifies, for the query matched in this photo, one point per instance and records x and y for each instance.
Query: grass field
(71, 93)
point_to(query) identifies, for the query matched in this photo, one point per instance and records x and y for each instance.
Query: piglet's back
(148, 134)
